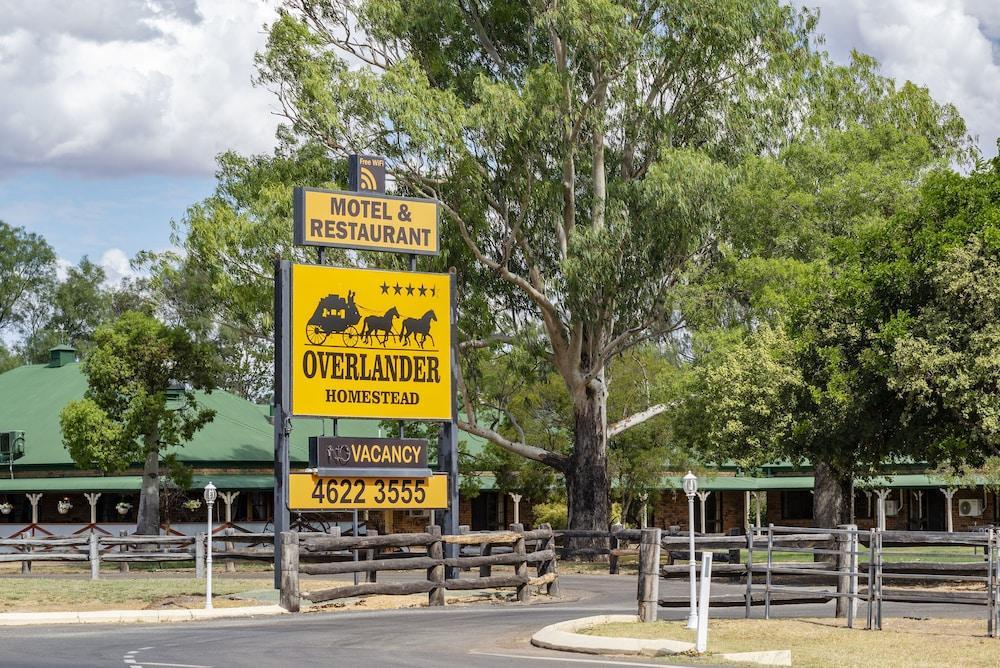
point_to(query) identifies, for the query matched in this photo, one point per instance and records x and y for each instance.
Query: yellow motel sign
(309, 492)
(369, 343)
(366, 221)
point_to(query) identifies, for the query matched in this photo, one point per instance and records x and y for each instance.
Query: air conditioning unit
(970, 508)
(418, 513)
(11, 446)
(891, 507)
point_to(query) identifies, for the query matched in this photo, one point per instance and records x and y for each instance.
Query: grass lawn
(903, 643)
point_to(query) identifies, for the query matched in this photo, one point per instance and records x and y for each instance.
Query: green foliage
(553, 513)
(221, 285)
(27, 272)
(125, 410)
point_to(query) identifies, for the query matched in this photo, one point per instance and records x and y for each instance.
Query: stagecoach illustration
(337, 315)
(334, 315)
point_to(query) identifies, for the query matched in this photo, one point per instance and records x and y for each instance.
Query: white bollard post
(701, 641)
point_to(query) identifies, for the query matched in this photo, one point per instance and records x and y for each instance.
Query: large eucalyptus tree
(579, 149)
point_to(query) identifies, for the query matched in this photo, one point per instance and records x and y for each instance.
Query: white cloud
(117, 267)
(950, 46)
(106, 87)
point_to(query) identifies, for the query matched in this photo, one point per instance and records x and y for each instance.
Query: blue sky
(112, 111)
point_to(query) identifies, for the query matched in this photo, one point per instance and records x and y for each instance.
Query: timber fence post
(229, 531)
(613, 544)
(845, 545)
(649, 574)
(435, 574)
(95, 557)
(521, 567)
(123, 565)
(549, 565)
(25, 565)
(486, 570)
(370, 555)
(199, 556)
(289, 546)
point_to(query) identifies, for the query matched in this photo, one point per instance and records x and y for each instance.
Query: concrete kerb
(563, 637)
(135, 616)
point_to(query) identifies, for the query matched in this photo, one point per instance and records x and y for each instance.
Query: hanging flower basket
(123, 508)
(64, 506)
(5, 508)
(192, 504)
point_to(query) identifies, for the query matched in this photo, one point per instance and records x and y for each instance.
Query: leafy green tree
(126, 415)
(579, 151)
(81, 303)
(27, 272)
(8, 360)
(221, 285)
(76, 306)
(805, 292)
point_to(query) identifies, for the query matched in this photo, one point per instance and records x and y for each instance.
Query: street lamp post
(690, 489)
(210, 495)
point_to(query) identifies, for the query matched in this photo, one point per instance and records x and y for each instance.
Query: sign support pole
(448, 447)
(282, 424)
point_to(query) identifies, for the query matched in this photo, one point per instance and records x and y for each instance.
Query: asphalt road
(475, 635)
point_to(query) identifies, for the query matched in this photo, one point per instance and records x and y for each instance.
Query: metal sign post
(365, 343)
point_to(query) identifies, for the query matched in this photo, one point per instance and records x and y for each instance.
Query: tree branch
(556, 461)
(637, 419)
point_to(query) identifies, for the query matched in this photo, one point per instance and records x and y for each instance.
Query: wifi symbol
(368, 180)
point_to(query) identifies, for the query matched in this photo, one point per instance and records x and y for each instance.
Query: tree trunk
(831, 496)
(588, 485)
(149, 500)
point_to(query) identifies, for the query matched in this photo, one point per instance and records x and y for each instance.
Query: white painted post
(702, 497)
(210, 496)
(746, 512)
(33, 499)
(517, 507)
(883, 494)
(228, 498)
(701, 639)
(95, 557)
(948, 494)
(643, 515)
(92, 498)
(756, 498)
(692, 567)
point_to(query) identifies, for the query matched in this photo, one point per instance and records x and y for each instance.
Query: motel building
(903, 498)
(43, 492)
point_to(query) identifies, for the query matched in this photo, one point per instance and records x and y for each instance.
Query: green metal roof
(742, 483)
(241, 434)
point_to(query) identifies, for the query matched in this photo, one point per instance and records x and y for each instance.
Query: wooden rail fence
(311, 555)
(839, 561)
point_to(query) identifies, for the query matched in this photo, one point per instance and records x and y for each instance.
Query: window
(797, 505)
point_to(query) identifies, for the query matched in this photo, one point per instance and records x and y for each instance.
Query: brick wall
(671, 509)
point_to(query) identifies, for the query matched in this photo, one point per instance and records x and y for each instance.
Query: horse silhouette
(418, 328)
(379, 323)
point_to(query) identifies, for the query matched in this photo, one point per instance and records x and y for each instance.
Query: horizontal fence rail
(305, 555)
(850, 567)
